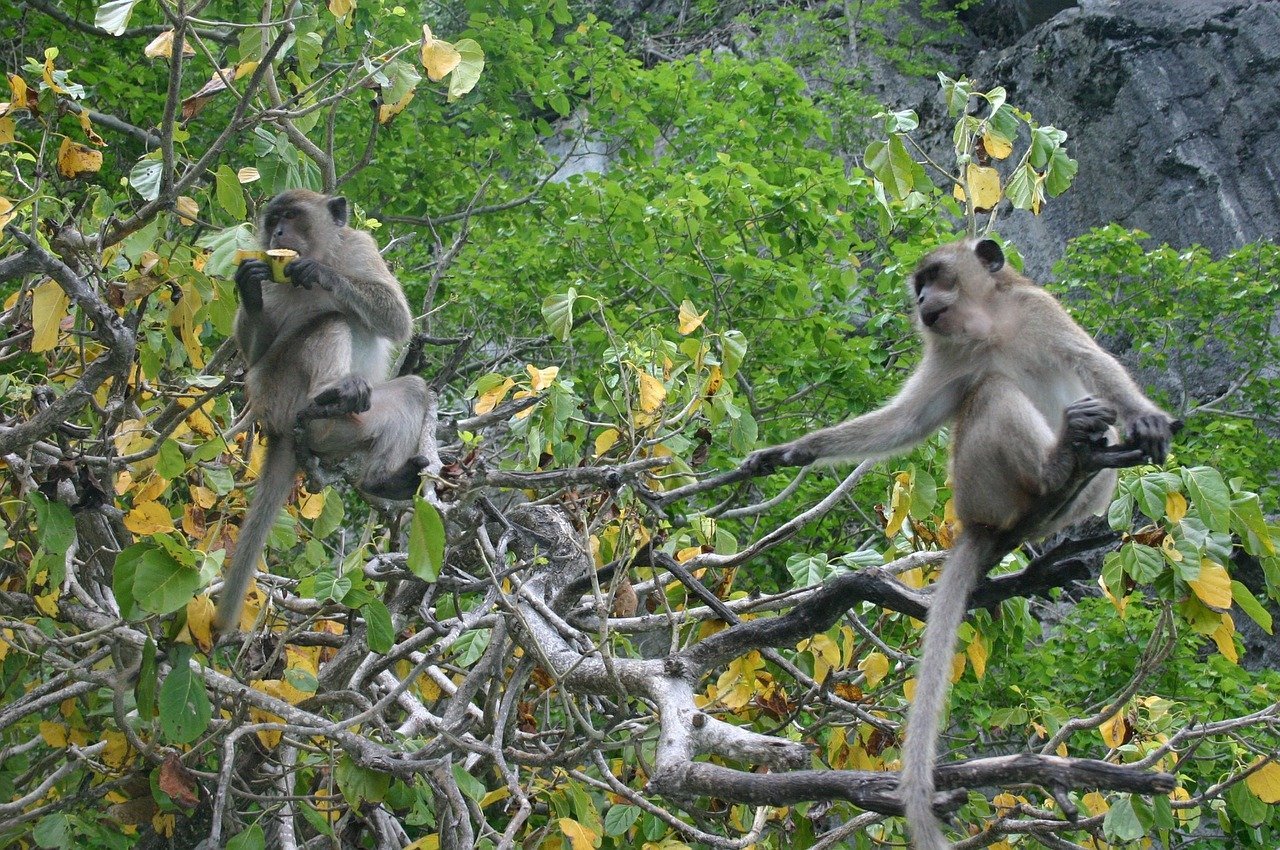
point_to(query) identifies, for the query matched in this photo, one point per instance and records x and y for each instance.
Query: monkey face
(951, 287)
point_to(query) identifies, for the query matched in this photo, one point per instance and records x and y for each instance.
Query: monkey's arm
(1150, 429)
(928, 399)
(359, 280)
(254, 329)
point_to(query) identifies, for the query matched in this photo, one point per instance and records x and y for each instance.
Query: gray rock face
(1173, 111)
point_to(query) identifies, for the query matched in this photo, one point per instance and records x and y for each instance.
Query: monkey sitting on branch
(1032, 399)
(318, 350)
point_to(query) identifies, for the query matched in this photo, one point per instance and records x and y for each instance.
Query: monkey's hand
(305, 272)
(767, 460)
(350, 395)
(1087, 424)
(250, 275)
(1152, 434)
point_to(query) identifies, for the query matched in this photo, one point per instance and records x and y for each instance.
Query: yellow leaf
(203, 496)
(75, 158)
(8, 129)
(1213, 585)
(909, 689)
(977, 651)
(1265, 783)
(1095, 803)
(269, 737)
(826, 655)
(86, 124)
(426, 842)
(957, 667)
(1222, 636)
(875, 666)
(19, 95)
(310, 505)
(162, 46)
(6, 638)
(652, 393)
(715, 379)
(341, 8)
(387, 111)
(1113, 730)
(148, 518)
(187, 210)
(1175, 507)
(244, 69)
(200, 621)
(605, 440)
(49, 55)
(116, 754)
(47, 603)
(690, 318)
(248, 175)
(687, 553)
(152, 487)
(6, 205)
(580, 837)
(54, 733)
(997, 146)
(495, 795)
(48, 309)
(984, 182)
(1120, 604)
(540, 379)
(900, 504)
(1004, 804)
(490, 399)
(438, 57)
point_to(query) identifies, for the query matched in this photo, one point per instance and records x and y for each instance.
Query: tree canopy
(634, 255)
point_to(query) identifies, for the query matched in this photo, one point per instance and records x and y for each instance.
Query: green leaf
(54, 830)
(230, 193)
(470, 646)
(330, 585)
(1121, 822)
(169, 460)
(1062, 170)
(403, 77)
(162, 584)
(1023, 189)
(1143, 563)
(892, 165)
(733, 350)
(1120, 512)
(1210, 496)
(468, 784)
(250, 839)
(808, 570)
(359, 784)
(144, 177)
(377, 619)
(113, 15)
(620, 818)
(184, 706)
(426, 541)
(464, 77)
(148, 680)
(1250, 605)
(1044, 140)
(557, 310)
(330, 515)
(55, 526)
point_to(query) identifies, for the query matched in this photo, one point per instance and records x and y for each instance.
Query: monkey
(1033, 401)
(318, 352)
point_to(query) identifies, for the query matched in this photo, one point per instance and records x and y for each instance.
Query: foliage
(719, 279)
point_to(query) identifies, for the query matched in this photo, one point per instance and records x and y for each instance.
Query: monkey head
(302, 221)
(952, 287)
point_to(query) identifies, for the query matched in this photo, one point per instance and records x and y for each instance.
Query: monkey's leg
(393, 423)
(326, 354)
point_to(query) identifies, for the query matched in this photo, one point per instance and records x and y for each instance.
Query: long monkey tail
(275, 483)
(975, 553)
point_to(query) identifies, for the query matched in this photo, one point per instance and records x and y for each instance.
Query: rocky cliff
(1173, 111)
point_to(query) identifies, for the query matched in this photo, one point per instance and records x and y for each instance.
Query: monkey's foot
(767, 460)
(1088, 424)
(401, 484)
(350, 395)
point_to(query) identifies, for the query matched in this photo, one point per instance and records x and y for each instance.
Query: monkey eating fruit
(318, 349)
(1033, 401)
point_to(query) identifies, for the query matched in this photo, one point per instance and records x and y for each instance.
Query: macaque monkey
(318, 350)
(1032, 400)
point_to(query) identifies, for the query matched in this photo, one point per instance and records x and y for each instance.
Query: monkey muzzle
(931, 315)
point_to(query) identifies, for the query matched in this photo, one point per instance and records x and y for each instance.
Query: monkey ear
(991, 254)
(338, 210)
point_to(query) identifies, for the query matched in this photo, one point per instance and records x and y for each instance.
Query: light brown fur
(318, 350)
(1032, 398)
